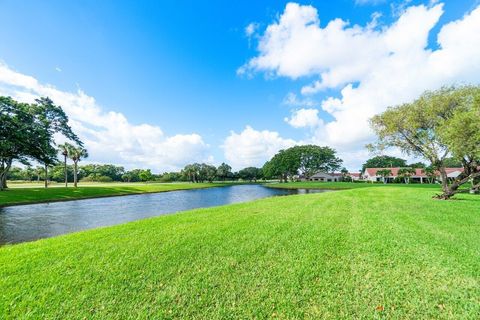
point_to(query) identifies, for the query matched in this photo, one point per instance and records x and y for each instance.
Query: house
(371, 174)
(355, 176)
(328, 177)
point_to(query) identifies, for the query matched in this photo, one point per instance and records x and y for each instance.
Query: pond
(36, 221)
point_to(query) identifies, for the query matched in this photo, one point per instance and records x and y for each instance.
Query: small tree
(406, 173)
(64, 148)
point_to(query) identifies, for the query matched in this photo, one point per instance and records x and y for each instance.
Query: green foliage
(27, 133)
(224, 171)
(384, 162)
(306, 160)
(437, 124)
(145, 175)
(369, 253)
(250, 174)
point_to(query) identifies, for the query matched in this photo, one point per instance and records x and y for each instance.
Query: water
(36, 221)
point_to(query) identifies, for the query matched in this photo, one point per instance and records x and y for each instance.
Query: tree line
(438, 126)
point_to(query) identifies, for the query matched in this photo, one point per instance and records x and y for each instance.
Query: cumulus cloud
(371, 67)
(108, 135)
(252, 147)
(304, 118)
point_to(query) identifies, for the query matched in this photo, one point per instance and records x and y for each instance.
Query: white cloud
(58, 69)
(372, 66)
(252, 148)
(368, 2)
(291, 99)
(304, 118)
(108, 135)
(251, 28)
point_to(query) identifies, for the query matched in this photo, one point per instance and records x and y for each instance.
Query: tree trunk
(65, 169)
(46, 176)
(4, 169)
(75, 174)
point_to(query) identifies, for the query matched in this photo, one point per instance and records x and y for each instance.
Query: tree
(207, 172)
(250, 173)
(451, 162)
(64, 148)
(436, 125)
(406, 173)
(224, 171)
(306, 160)
(76, 154)
(417, 165)
(384, 173)
(16, 138)
(345, 175)
(145, 175)
(312, 159)
(430, 173)
(283, 165)
(384, 162)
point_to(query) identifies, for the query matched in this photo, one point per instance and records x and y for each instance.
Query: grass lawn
(390, 252)
(343, 185)
(31, 194)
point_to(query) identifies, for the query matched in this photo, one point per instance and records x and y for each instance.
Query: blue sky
(174, 65)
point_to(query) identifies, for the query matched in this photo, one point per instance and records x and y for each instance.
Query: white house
(326, 177)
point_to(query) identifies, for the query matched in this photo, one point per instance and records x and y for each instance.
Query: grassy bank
(344, 185)
(17, 195)
(365, 253)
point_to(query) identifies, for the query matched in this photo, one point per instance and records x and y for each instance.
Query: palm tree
(64, 148)
(76, 154)
(384, 173)
(406, 173)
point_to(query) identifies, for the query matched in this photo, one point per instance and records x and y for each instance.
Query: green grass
(344, 185)
(390, 252)
(31, 194)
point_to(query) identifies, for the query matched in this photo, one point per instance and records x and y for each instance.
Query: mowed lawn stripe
(372, 252)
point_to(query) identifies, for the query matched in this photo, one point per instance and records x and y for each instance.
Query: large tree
(384, 162)
(437, 125)
(305, 160)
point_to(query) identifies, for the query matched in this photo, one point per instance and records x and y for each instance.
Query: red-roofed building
(371, 174)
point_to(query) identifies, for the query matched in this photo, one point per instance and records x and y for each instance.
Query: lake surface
(36, 221)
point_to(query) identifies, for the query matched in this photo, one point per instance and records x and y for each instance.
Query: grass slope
(366, 253)
(16, 195)
(343, 185)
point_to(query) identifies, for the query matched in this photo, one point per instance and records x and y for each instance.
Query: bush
(104, 179)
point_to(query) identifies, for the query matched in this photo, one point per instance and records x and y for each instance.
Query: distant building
(326, 177)
(371, 174)
(355, 176)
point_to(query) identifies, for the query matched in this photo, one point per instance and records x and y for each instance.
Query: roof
(373, 172)
(354, 174)
(321, 173)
